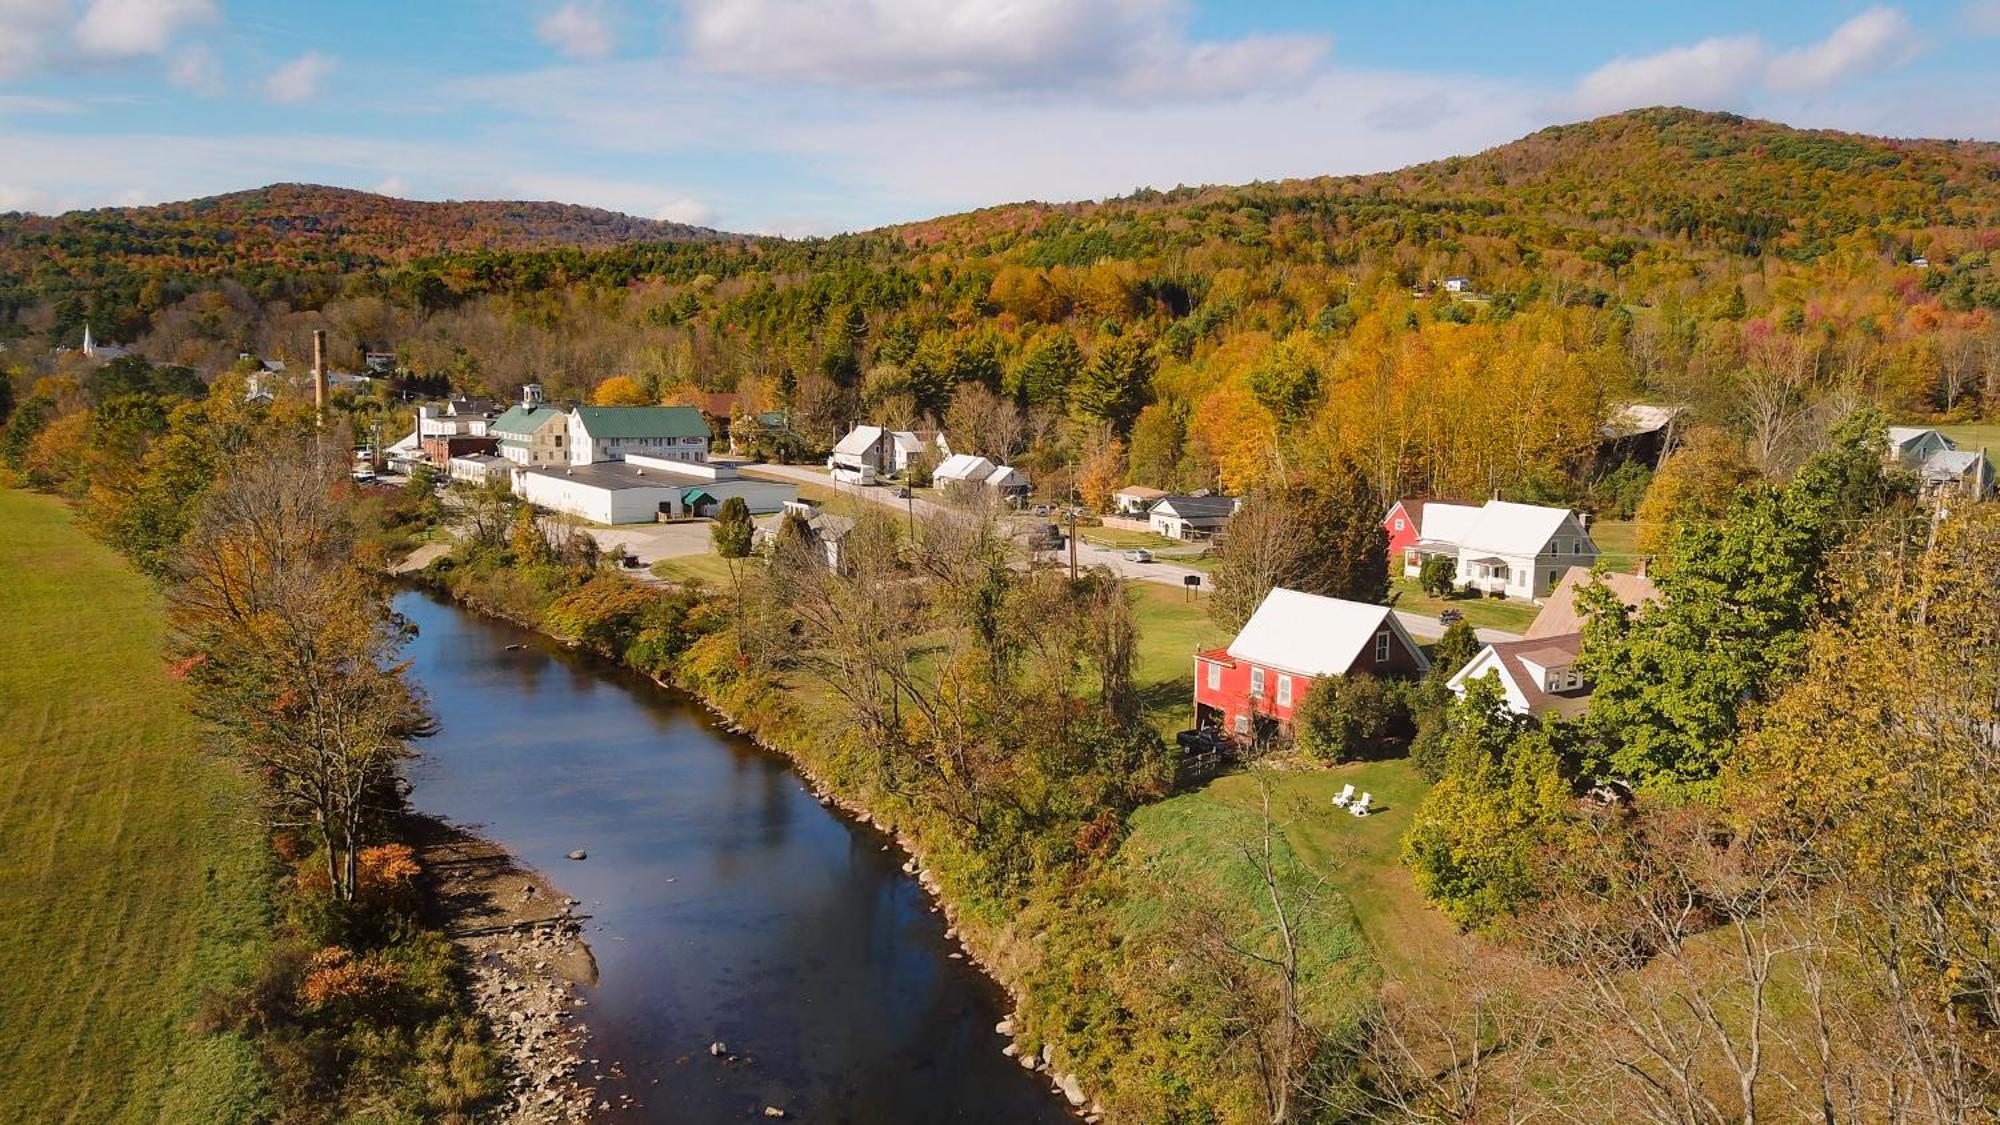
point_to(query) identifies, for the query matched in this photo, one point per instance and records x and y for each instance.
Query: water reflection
(727, 903)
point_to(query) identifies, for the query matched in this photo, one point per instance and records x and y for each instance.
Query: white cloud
(196, 69)
(578, 29)
(26, 27)
(1875, 39)
(299, 80)
(1135, 47)
(122, 29)
(1725, 73)
(393, 185)
(1712, 74)
(693, 212)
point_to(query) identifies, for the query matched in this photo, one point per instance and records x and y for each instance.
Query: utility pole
(1072, 544)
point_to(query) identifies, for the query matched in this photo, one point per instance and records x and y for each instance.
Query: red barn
(1251, 688)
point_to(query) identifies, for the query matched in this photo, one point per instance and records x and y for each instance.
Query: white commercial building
(643, 489)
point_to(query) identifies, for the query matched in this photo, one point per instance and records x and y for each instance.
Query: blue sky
(811, 116)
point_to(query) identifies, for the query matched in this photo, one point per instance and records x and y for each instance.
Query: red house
(1250, 689)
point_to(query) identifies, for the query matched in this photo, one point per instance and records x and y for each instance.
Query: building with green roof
(532, 434)
(608, 433)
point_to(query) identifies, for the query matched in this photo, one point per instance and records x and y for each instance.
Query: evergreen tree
(1115, 384)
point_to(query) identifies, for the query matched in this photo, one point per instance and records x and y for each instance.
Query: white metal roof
(1900, 436)
(859, 440)
(964, 466)
(1506, 528)
(1447, 523)
(907, 441)
(1309, 634)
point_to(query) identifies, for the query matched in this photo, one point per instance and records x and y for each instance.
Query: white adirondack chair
(1360, 808)
(1346, 795)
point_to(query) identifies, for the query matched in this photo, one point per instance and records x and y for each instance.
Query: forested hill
(1712, 178)
(300, 228)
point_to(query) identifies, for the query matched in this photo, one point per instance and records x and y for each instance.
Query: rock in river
(579, 854)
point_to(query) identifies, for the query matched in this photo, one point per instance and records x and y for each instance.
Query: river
(726, 902)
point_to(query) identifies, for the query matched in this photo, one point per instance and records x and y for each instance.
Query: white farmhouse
(872, 451)
(1514, 550)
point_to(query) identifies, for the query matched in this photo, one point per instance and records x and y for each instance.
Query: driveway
(652, 542)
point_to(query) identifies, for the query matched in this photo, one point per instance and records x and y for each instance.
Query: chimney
(319, 372)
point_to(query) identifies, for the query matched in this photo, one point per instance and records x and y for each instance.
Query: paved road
(1421, 626)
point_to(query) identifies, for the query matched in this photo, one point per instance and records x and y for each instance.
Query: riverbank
(524, 954)
(777, 723)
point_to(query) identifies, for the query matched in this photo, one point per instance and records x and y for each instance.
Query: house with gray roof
(1191, 517)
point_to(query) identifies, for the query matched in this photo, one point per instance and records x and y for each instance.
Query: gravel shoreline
(526, 957)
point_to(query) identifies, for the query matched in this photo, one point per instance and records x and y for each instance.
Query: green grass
(1120, 539)
(1482, 612)
(707, 567)
(1171, 628)
(130, 863)
(1617, 544)
(1359, 858)
(1973, 435)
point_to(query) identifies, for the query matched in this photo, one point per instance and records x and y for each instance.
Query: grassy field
(129, 860)
(1973, 435)
(708, 567)
(1483, 613)
(1357, 857)
(1120, 539)
(1617, 543)
(1170, 629)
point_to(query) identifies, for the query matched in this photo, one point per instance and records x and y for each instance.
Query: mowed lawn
(1171, 628)
(130, 864)
(1382, 917)
(1974, 435)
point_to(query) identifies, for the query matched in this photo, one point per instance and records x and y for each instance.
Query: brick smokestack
(319, 371)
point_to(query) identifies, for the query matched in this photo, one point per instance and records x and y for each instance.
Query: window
(1214, 676)
(1399, 523)
(1256, 681)
(1284, 691)
(1242, 724)
(1382, 646)
(1554, 578)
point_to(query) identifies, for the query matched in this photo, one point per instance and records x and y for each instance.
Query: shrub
(1342, 717)
(1438, 575)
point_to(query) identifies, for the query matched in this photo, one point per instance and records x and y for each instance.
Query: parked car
(1451, 616)
(903, 492)
(1202, 740)
(1041, 510)
(1138, 554)
(363, 475)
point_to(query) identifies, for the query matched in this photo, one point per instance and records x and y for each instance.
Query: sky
(805, 117)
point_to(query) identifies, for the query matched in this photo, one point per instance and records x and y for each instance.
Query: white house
(967, 468)
(1191, 517)
(457, 417)
(642, 489)
(827, 532)
(1913, 445)
(478, 468)
(1537, 673)
(1537, 676)
(1135, 499)
(873, 451)
(1515, 550)
(1940, 465)
(613, 433)
(1457, 284)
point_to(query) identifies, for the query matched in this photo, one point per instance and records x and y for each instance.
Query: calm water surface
(727, 903)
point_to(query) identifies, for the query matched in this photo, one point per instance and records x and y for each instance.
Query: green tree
(1159, 441)
(1322, 538)
(1438, 575)
(1286, 381)
(1044, 376)
(732, 530)
(1343, 718)
(1502, 800)
(1114, 385)
(1673, 685)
